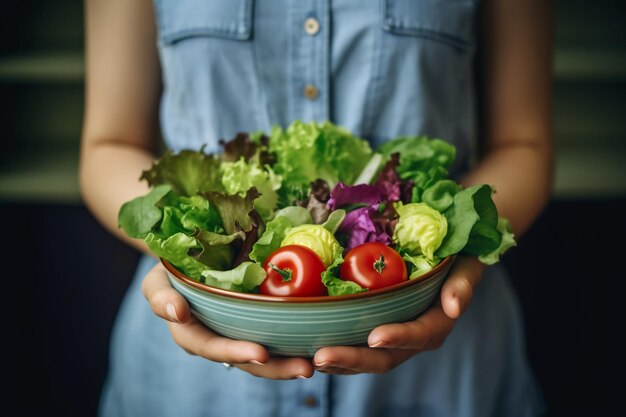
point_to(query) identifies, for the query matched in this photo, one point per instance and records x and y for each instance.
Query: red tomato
(293, 271)
(373, 265)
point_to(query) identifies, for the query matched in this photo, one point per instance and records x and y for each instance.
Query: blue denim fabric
(382, 68)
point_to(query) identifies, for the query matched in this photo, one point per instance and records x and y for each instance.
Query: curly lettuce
(306, 152)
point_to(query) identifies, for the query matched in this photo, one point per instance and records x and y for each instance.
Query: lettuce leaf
(176, 249)
(418, 264)
(420, 229)
(306, 152)
(239, 177)
(187, 172)
(336, 285)
(423, 160)
(315, 237)
(140, 215)
(472, 223)
(507, 242)
(275, 231)
(441, 194)
(244, 278)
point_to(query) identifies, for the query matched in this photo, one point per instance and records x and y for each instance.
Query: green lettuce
(419, 264)
(315, 237)
(472, 222)
(507, 242)
(306, 152)
(238, 177)
(187, 172)
(420, 229)
(276, 229)
(336, 285)
(423, 160)
(244, 278)
(176, 249)
(441, 194)
(140, 215)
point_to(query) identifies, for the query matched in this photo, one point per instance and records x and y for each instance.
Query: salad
(313, 210)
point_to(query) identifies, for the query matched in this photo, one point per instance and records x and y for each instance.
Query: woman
(380, 68)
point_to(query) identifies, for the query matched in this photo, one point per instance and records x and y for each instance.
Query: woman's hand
(195, 338)
(392, 344)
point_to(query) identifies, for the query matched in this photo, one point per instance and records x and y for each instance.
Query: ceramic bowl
(299, 326)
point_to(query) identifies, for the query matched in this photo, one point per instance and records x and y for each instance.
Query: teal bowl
(299, 326)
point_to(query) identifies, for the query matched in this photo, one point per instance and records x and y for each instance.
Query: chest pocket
(181, 19)
(446, 21)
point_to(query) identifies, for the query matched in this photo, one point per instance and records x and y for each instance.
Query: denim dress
(380, 68)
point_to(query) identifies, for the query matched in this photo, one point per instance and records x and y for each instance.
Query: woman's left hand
(392, 344)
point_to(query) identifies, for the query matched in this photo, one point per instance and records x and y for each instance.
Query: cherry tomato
(293, 271)
(373, 265)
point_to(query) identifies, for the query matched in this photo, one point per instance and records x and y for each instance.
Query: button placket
(309, 49)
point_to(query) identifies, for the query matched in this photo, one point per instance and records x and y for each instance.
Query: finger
(197, 339)
(164, 300)
(347, 359)
(281, 368)
(427, 332)
(458, 289)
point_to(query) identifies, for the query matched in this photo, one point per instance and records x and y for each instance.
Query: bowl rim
(446, 262)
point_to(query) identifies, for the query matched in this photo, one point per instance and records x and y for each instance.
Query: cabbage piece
(343, 195)
(420, 229)
(358, 227)
(317, 238)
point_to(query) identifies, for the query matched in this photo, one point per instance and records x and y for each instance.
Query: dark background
(66, 274)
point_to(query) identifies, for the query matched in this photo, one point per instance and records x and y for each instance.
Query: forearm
(122, 90)
(522, 178)
(109, 176)
(516, 41)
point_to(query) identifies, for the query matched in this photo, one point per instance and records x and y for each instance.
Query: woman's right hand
(196, 339)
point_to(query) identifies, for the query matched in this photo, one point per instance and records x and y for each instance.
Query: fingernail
(171, 311)
(380, 343)
(255, 362)
(326, 364)
(302, 377)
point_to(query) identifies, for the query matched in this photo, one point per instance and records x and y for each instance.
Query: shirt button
(311, 92)
(310, 401)
(311, 26)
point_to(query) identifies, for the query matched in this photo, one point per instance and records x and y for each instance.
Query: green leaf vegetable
(317, 238)
(306, 152)
(218, 217)
(420, 229)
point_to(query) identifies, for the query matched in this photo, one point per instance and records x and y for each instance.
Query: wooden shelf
(570, 64)
(601, 64)
(50, 177)
(583, 172)
(590, 171)
(45, 67)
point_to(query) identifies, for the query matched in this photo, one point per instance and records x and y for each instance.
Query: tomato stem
(284, 273)
(380, 264)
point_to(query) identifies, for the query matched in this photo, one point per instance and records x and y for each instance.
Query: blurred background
(66, 274)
